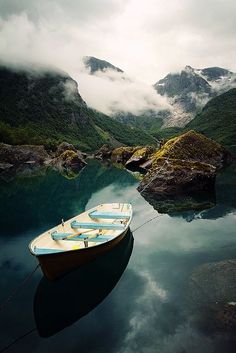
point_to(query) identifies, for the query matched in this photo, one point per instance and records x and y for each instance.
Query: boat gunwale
(87, 248)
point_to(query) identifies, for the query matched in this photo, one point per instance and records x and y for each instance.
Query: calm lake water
(135, 299)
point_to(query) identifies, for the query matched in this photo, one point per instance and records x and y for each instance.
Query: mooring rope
(149, 220)
(17, 288)
(17, 340)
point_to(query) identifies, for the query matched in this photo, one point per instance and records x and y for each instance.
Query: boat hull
(57, 264)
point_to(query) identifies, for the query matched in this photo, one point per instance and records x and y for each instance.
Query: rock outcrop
(123, 154)
(185, 164)
(141, 158)
(68, 160)
(21, 154)
(26, 159)
(64, 146)
(103, 153)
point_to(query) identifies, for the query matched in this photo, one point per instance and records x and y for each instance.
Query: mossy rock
(122, 154)
(140, 157)
(68, 155)
(192, 146)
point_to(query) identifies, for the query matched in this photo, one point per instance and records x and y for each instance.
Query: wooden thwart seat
(60, 236)
(90, 225)
(109, 215)
(44, 251)
(94, 239)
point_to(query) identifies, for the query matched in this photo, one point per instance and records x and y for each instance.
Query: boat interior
(91, 228)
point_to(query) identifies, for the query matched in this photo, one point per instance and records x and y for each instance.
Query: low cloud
(111, 92)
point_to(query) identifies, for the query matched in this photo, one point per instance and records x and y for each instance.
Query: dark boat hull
(58, 264)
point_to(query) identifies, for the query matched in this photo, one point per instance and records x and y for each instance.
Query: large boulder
(103, 153)
(64, 146)
(69, 162)
(177, 177)
(185, 164)
(123, 154)
(141, 158)
(192, 146)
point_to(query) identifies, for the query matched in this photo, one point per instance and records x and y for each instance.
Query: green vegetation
(167, 133)
(46, 108)
(122, 133)
(149, 121)
(191, 146)
(217, 120)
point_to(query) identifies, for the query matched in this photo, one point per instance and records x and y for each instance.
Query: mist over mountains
(184, 94)
(43, 105)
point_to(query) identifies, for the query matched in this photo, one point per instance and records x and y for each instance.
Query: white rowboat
(81, 238)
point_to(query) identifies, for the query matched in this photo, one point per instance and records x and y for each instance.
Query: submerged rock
(213, 291)
(214, 283)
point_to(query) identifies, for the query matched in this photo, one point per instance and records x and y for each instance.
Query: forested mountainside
(45, 107)
(218, 118)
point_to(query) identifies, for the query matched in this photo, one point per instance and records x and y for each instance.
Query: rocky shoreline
(184, 165)
(27, 159)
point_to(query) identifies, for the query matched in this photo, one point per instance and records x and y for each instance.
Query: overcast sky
(147, 39)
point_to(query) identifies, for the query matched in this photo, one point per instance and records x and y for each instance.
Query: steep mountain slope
(46, 108)
(95, 64)
(218, 119)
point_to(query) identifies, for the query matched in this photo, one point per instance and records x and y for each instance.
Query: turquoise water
(136, 299)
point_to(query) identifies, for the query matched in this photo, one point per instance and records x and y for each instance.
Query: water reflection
(42, 201)
(60, 303)
(149, 310)
(181, 203)
(209, 205)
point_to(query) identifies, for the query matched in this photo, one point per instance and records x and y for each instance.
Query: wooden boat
(81, 238)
